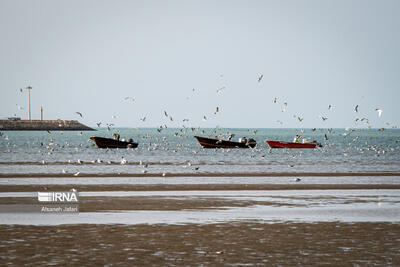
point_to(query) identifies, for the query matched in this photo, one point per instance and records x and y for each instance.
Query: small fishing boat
(283, 144)
(103, 142)
(219, 143)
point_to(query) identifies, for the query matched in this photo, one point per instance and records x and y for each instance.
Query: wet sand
(200, 174)
(235, 243)
(191, 187)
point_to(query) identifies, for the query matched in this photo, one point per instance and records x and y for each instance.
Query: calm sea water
(177, 151)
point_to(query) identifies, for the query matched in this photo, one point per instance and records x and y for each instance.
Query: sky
(88, 56)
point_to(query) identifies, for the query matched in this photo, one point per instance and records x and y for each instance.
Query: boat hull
(102, 142)
(216, 143)
(283, 144)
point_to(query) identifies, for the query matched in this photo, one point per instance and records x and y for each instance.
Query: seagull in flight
(204, 118)
(220, 89)
(98, 124)
(330, 107)
(260, 78)
(80, 114)
(379, 111)
(130, 97)
(356, 108)
(20, 89)
(275, 99)
(216, 111)
(323, 118)
(143, 119)
(165, 113)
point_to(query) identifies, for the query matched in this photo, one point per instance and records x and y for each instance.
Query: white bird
(80, 114)
(356, 108)
(216, 111)
(204, 118)
(379, 111)
(275, 99)
(260, 78)
(220, 89)
(297, 179)
(19, 107)
(113, 116)
(76, 174)
(323, 118)
(300, 119)
(130, 97)
(79, 161)
(143, 119)
(330, 107)
(165, 113)
(123, 160)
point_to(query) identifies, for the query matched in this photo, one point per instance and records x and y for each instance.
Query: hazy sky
(87, 56)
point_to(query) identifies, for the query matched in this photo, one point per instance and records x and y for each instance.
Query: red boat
(283, 144)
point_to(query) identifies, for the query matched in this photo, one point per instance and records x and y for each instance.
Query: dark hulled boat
(283, 144)
(103, 142)
(218, 143)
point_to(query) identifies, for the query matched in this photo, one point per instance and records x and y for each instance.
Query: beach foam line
(199, 174)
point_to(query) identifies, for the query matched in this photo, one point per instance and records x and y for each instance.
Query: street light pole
(29, 101)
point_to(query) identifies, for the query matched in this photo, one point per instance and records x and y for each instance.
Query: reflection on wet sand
(235, 243)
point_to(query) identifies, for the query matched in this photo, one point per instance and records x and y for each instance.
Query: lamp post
(29, 101)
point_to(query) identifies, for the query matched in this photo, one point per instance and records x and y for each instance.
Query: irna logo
(57, 197)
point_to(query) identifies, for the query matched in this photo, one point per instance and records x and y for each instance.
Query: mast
(29, 101)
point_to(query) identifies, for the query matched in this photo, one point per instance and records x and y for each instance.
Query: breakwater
(43, 125)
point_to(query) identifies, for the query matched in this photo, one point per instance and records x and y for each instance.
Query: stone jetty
(43, 125)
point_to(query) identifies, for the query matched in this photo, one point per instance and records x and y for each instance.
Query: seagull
(123, 160)
(220, 89)
(185, 120)
(297, 179)
(130, 97)
(379, 111)
(323, 118)
(165, 113)
(216, 111)
(330, 107)
(19, 107)
(204, 118)
(300, 119)
(98, 124)
(80, 114)
(143, 119)
(260, 78)
(48, 131)
(76, 174)
(356, 108)
(275, 99)
(170, 118)
(113, 116)
(20, 89)
(326, 137)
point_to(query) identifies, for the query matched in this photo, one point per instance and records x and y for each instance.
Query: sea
(176, 151)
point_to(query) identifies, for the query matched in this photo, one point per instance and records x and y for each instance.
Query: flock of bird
(183, 132)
